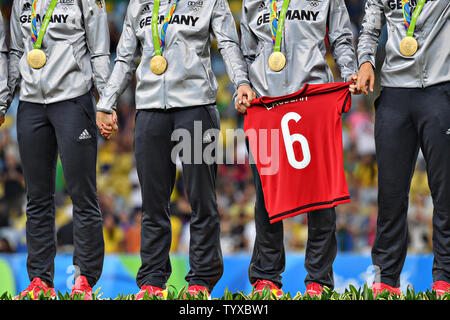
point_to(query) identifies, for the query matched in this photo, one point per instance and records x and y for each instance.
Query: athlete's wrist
(367, 64)
(105, 110)
(243, 83)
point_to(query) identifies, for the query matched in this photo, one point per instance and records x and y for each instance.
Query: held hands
(353, 86)
(107, 123)
(365, 75)
(246, 94)
(244, 98)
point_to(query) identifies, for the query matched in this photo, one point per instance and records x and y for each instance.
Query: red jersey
(296, 143)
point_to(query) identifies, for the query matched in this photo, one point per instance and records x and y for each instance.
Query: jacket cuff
(3, 110)
(103, 108)
(242, 83)
(104, 105)
(365, 59)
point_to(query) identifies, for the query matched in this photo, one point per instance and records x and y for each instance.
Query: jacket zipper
(41, 86)
(164, 91)
(164, 76)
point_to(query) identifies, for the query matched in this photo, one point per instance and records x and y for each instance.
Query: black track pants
(156, 169)
(69, 128)
(268, 259)
(406, 120)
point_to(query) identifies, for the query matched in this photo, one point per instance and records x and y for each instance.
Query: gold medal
(277, 61)
(158, 65)
(36, 58)
(408, 46)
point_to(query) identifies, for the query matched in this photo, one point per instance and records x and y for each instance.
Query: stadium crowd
(119, 192)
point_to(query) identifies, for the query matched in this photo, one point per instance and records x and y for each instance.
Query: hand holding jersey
(353, 86)
(365, 74)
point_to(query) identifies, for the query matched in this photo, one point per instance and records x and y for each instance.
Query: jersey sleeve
(344, 101)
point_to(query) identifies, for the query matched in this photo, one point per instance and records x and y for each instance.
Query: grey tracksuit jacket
(189, 79)
(430, 65)
(3, 69)
(76, 44)
(303, 43)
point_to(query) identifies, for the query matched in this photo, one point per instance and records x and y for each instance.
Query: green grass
(350, 293)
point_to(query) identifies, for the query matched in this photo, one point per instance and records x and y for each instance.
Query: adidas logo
(26, 7)
(84, 135)
(448, 132)
(207, 138)
(262, 6)
(146, 9)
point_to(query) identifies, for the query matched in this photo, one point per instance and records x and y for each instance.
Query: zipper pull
(90, 8)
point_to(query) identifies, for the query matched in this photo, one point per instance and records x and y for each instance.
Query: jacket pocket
(189, 78)
(213, 115)
(86, 104)
(62, 72)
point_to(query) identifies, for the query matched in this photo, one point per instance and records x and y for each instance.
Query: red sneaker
(313, 290)
(151, 291)
(35, 289)
(441, 288)
(260, 285)
(379, 287)
(82, 288)
(195, 290)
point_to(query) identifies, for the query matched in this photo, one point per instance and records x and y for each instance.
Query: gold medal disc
(158, 65)
(36, 58)
(408, 46)
(277, 61)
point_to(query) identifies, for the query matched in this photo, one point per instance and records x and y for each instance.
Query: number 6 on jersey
(290, 139)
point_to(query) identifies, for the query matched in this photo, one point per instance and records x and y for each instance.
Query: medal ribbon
(277, 24)
(159, 42)
(37, 38)
(410, 22)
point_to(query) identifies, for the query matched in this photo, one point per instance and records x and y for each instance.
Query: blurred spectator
(343, 229)
(296, 231)
(372, 224)
(181, 215)
(133, 234)
(365, 176)
(5, 246)
(64, 237)
(237, 232)
(419, 222)
(13, 186)
(112, 235)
